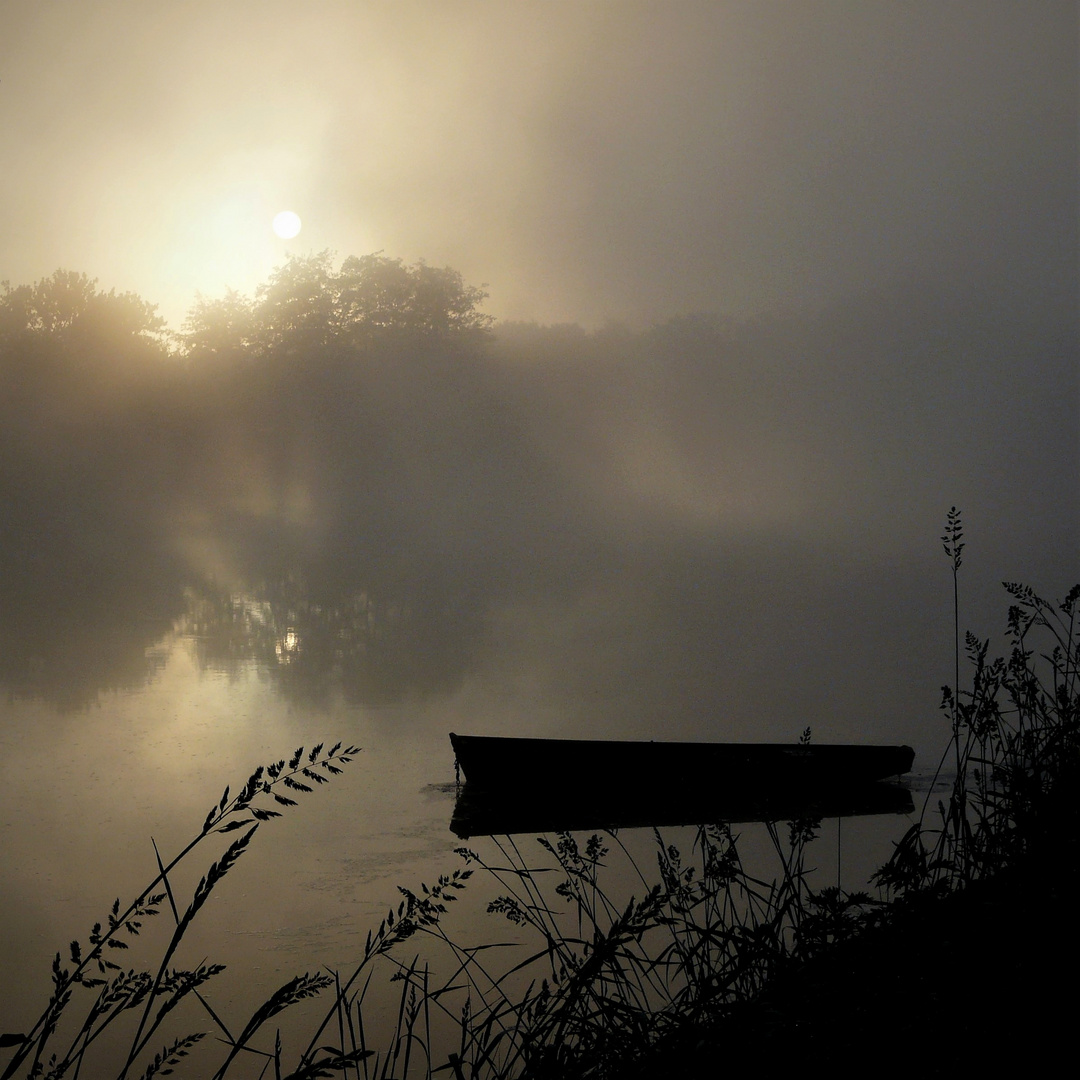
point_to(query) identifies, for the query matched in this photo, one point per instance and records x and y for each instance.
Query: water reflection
(73, 631)
(371, 647)
(564, 807)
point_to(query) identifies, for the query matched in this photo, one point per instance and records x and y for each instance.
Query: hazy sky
(884, 195)
(590, 161)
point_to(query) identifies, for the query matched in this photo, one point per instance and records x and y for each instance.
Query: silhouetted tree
(296, 308)
(306, 304)
(64, 339)
(221, 329)
(379, 293)
(69, 307)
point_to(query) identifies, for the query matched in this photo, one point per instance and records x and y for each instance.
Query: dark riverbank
(980, 982)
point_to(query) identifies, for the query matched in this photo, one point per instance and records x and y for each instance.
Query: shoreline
(978, 979)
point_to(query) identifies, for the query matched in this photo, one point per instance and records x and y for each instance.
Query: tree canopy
(306, 303)
(68, 306)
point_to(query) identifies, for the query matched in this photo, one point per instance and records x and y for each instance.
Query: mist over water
(707, 530)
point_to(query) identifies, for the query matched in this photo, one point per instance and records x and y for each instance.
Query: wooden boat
(547, 785)
(490, 762)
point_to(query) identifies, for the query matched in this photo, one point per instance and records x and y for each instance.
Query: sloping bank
(971, 966)
(981, 981)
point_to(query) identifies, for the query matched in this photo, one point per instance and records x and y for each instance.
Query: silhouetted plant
(1015, 739)
(151, 995)
(606, 981)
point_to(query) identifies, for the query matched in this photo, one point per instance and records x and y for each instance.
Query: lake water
(86, 785)
(203, 568)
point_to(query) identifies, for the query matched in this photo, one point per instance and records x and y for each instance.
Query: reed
(604, 980)
(94, 995)
(600, 980)
(1015, 741)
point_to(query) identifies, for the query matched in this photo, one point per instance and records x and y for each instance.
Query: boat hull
(493, 763)
(546, 785)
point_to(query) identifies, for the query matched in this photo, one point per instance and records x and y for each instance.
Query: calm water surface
(84, 789)
(708, 530)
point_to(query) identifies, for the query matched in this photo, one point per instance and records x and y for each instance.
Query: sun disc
(286, 224)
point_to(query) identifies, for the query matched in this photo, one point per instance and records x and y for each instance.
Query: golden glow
(287, 647)
(287, 224)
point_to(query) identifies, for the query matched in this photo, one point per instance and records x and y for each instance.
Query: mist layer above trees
(415, 492)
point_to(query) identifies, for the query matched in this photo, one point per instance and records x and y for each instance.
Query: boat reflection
(562, 807)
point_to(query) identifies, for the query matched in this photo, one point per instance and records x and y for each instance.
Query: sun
(286, 224)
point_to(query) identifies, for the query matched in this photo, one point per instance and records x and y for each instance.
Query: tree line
(306, 302)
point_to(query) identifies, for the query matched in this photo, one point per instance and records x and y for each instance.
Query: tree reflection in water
(373, 648)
